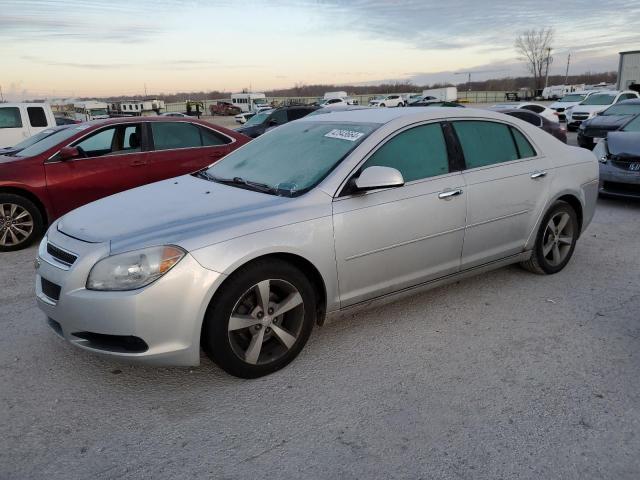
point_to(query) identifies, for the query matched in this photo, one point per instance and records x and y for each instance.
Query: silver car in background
(321, 216)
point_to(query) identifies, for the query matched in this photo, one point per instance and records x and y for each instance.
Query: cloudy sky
(57, 48)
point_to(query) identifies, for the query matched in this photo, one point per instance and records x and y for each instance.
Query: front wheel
(555, 241)
(260, 319)
(20, 222)
(382, 105)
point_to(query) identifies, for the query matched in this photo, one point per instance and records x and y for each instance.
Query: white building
(629, 71)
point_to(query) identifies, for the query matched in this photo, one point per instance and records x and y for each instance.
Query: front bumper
(619, 182)
(159, 324)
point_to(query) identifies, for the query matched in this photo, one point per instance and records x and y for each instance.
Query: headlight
(132, 270)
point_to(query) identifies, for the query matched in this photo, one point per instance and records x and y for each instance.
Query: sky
(73, 48)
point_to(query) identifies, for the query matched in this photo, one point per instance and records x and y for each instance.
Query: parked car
(175, 114)
(609, 120)
(554, 128)
(21, 120)
(568, 101)
(412, 98)
(85, 162)
(332, 103)
(394, 100)
(267, 120)
(242, 118)
(341, 108)
(66, 121)
(547, 113)
(321, 216)
(595, 104)
(436, 103)
(224, 108)
(27, 142)
(619, 155)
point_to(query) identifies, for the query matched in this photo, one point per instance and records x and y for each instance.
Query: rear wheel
(555, 241)
(20, 222)
(260, 320)
(382, 105)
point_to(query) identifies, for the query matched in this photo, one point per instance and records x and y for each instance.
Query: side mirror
(379, 177)
(67, 153)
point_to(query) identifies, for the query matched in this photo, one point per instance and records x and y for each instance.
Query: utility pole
(546, 80)
(145, 90)
(1, 95)
(566, 75)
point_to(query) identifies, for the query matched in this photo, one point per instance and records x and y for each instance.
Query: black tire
(6, 243)
(382, 105)
(540, 263)
(216, 338)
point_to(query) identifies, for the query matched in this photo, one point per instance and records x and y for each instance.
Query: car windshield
(631, 109)
(258, 118)
(51, 141)
(98, 111)
(35, 138)
(293, 158)
(260, 101)
(633, 125)
(572, 98)
(599, 99)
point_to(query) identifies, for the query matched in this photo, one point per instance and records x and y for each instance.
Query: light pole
(546, 80)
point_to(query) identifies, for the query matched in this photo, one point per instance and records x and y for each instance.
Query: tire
(382, 105)
(21, 222)
(552, 250)
(232, 344)
(571, 129)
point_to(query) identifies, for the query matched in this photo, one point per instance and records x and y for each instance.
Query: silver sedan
(321, 216)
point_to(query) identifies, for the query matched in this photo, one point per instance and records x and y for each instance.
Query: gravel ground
(506, 375)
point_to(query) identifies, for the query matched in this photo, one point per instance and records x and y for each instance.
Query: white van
(90, 110)
(21, 120)
(249, 102)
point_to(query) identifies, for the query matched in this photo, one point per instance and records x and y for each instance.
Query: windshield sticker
(349, 135)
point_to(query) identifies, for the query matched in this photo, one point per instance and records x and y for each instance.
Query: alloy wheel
(266, 321)
(558, 238)
(16, 224)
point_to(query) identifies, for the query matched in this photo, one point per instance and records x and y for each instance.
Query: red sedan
(88, 161)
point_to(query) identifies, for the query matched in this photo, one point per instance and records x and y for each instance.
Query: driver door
(111, 160)
(394, 238)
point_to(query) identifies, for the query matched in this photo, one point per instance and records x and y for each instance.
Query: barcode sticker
(349, 135)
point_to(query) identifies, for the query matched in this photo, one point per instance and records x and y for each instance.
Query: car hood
(609, 122)
(187, 211)
(624, 145)
(589, 108)
(564, 105)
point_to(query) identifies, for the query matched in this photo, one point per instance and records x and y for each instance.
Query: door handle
(535, 175)
(447, 194)
(138, 163)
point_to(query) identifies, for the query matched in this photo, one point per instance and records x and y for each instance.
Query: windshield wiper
(241, 182)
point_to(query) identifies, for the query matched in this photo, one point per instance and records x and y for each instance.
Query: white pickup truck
(21, 120)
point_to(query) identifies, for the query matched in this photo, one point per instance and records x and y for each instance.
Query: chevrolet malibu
(320, 216)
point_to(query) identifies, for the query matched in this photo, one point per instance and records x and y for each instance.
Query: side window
(10, 117)
(420, 152)
(211, 138)
(98, 144)
(296, 113)
(485, 143)
(170, 135)
(524, 147)
(37, 118)
(279, 116)
(131, 138)
(527, 117)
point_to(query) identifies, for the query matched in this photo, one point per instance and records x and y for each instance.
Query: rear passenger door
(506, 186)
(394, 238)
(178, 148)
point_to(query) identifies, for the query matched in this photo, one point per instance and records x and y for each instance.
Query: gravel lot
(506, 375)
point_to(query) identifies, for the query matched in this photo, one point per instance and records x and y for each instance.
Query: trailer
(629, 71)
(445, 94)
(249, 101)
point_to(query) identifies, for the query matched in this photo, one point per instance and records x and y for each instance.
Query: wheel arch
(576, 204)
(23, 192)
(298, 261)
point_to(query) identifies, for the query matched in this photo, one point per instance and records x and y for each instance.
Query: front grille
(61, 255)
(559, 109)
(622, 188)
(580, 116)
(50, 289)
(626, 164)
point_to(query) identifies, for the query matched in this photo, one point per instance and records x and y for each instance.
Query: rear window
(10, 117)
(37, 118)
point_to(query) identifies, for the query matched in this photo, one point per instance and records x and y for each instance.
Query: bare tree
(534, 48)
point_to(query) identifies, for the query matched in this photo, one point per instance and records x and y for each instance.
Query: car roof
(386, 115)
(632, 101)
